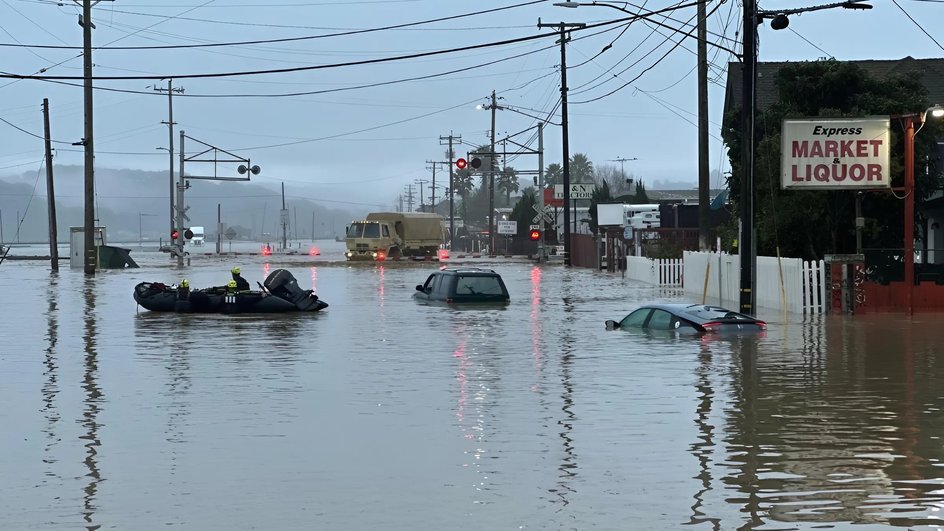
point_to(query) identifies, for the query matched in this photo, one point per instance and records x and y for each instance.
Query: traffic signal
(188, 233)
(174, 234)
(476, 163)
(461, 163)
(534, 235)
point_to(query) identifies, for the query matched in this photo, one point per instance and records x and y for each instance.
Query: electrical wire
(917, 24)
(287, 39)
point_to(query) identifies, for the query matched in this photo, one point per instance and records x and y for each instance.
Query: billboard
(835, 153)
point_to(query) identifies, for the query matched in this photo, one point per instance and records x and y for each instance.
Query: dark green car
(460, 285)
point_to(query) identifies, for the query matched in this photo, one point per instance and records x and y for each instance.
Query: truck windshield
(355, 230)
(371, 230)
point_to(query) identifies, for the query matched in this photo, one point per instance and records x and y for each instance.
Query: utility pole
(178, 244)
(91, 253)
(704, 180)
(420, 182)
(409, 198)
(562, 28)
(50, 192)
(170, 142)
(452, 190)
(621, 160)
(746, 240)
(541, 257)
(432, 193)
(491, 182)
(283, 216)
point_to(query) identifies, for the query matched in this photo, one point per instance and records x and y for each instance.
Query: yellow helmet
(231, 284)
(185, 283)
(235, 270)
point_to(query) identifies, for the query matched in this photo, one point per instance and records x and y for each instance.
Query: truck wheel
(394, 253)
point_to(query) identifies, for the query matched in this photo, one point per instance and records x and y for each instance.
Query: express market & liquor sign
(837, 153)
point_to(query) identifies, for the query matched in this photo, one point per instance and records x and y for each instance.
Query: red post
(909, 212)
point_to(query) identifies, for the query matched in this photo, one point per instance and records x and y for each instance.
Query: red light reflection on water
(265, 270)
(535, 319)
(380, 285)
(314, 280)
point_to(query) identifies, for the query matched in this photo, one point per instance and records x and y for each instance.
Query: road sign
(230, 233)
(627, 233)
(535, 227)
(507, 227)
(545, 214)
(577, 191)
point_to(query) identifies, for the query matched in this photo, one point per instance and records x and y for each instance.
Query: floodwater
(384, 413)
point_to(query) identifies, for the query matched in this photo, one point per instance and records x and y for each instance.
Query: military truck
(392, 235)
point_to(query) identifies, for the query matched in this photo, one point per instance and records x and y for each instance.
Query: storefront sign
(836, 153)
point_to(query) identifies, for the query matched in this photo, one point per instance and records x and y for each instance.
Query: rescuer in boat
(231, 286)
(241, 283)
(183, 291)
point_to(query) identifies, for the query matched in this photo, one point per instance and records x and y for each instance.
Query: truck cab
(370, 240)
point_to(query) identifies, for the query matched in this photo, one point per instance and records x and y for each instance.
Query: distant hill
(129, 201)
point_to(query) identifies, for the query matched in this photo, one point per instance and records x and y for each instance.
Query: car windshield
(478, 285)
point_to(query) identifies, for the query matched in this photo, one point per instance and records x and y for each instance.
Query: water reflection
(704, 449)
(93, 399)
(50, 387)
(568, 465)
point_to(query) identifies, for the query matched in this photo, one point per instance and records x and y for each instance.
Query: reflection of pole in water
(745, 399)
(93, 397)
(51, 386)
(704, 448)
(568, 466)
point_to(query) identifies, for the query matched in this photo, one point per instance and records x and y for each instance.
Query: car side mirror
(419, 287)
(611, 324)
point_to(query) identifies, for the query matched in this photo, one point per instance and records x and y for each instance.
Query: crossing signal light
(174, 234)
(534, 235)
(188, 233)
(476, 163)
(461, 163)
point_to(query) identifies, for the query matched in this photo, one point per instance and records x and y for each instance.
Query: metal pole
(541, 190)
(219, 229)
(432, 200)
(179, 242)
(746, 243)
(452, 194)
(283, 215)
(91, 253)
(909, 211)
(170, 146)
(704, 180)
(50, 193)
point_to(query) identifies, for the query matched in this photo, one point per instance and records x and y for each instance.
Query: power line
(917, 24)
(289, 39)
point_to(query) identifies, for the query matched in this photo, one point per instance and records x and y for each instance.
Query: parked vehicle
(392, 235)
(691, 318)
(457, 285)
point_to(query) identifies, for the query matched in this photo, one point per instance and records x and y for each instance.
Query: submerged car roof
(692, 310)
(468, 270)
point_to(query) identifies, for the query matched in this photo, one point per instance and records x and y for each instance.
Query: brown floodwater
(384, 413)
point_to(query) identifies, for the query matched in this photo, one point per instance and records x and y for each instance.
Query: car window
(478, 285)
(429, 282)
(660, 320)
(636, 318)
(437, 283)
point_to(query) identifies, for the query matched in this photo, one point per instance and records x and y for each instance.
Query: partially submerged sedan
(692, 318)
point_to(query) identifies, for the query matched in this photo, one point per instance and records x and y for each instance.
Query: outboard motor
(282, 284)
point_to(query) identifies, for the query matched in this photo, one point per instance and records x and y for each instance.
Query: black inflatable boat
(280, 293)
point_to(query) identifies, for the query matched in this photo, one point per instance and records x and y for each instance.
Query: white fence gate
(666, 273)
(788, 283)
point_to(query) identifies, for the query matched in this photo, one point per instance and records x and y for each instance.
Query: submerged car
(693, 318)
(468, 284)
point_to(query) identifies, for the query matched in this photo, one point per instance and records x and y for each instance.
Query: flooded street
(384, 413)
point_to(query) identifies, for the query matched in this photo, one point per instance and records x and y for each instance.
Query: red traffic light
(534, 235)
(461, 164)
(174, 234)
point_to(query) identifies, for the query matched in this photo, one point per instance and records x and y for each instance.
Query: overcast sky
(363, 145)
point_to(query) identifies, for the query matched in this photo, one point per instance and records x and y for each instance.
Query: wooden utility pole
(491, 182)
(704, 179)
(91, 253)
(452, 192)
(170, 143)
(50, 193)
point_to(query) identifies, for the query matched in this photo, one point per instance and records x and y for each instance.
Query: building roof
(931, 72)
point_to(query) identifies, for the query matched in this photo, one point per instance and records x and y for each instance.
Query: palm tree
(554, 174)
(581, 169)
(462, 183)
(507, 183)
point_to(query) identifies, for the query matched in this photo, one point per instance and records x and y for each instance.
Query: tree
(523, 211)
(640, 197)
(554, 174)
(581, 169)
(507, 182)
(811, 223)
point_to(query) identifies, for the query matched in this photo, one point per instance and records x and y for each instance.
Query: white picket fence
(789, 284)
(665, 273)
